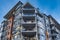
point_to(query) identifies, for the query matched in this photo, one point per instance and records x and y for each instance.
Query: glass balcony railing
(28, 8)
(28, 22)
(29, 29)
(16, 29)
(54, 34)
(29, 33)
(4, 34)
(27, 14)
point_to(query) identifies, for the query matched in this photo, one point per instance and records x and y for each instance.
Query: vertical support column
(44, 25)
(21, 25)
(36, 27)
(46, 32)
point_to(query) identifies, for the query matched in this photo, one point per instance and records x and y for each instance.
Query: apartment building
(25, 22)
(0, 31)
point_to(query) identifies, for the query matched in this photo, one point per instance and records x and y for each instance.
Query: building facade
(25, 22)
(0, 31)
(4, 30)
(55, 28)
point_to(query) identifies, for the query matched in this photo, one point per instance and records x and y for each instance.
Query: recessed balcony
(28, 25)
(29, 33)
(28, 17)
(53, 28)
(54, 31)
(28, 14)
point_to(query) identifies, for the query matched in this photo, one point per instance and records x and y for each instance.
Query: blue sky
(51, 7)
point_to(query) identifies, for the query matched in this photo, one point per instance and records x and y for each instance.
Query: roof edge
(12, 9)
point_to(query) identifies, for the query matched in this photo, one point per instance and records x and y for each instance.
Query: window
(41, 25)
(42, 31)
(42, 37)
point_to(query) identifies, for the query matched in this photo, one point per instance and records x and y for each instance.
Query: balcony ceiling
(28, 11)
(29, 26)
(28, 17)
(28, 34)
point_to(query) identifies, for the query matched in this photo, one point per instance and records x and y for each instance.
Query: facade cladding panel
(25, 22)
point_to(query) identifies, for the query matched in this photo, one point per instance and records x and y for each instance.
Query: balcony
(29, 25)
(54, 34)
(16, 30)
(28, 17)
(54, 29)
(4, 34)
(29, 33)
(28, 14)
